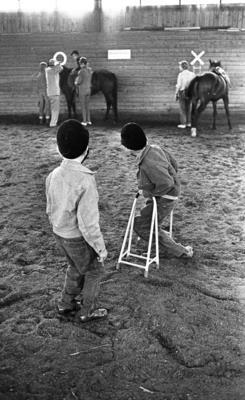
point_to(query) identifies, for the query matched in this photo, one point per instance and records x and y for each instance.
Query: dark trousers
(142, 224)
(185, 108)
(83, 274)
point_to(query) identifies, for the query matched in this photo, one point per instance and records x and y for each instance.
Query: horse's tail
(191, 91)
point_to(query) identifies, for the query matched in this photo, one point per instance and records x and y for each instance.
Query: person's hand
(102, 256)
(139, 193)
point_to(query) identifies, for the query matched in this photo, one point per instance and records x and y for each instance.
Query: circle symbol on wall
(60, 53)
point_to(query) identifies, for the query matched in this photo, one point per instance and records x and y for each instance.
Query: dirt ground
(178, 335)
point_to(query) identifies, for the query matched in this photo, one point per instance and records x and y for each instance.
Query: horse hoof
(193, 132)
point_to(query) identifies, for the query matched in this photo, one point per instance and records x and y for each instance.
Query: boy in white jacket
(72, 208)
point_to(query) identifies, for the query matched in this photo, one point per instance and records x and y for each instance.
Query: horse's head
(213, 64)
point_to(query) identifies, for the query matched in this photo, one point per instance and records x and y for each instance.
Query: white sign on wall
(124, 54)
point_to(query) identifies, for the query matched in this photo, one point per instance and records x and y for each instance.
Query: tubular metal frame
(127, 241)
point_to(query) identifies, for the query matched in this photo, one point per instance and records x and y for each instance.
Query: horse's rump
(102, 80)
(206, 85)
(105, 81)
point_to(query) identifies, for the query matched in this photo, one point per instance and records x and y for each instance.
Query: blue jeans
(142, 224)
(83, 274)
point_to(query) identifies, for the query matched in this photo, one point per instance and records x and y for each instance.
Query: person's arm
(79, 79)
(172, 160)
(58, 68)
(88, 219)
(178, 86)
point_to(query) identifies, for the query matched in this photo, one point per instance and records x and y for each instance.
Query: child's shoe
(181, 126)
(66, 311)
(189, 252)
(99, 313)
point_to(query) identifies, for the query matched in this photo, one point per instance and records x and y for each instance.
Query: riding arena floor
(178, 334)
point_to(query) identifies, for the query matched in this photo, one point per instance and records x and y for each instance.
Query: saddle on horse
(221, 71)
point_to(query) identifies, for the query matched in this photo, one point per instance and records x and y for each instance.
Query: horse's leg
(68, 102)
(69, 109)
(226, 104)
(73, 103)
(108, 106)
(193, 118)
(114, 107)
(214, 114)
(196, 115)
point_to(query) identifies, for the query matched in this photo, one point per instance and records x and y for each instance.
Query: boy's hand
(102, 256)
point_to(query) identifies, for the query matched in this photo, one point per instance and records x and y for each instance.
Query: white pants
(55, 109)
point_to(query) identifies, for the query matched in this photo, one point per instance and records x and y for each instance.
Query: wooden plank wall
(146, 81)
(45, 22)
(209, 16)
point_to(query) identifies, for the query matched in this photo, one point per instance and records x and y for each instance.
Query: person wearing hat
(72, 209)
(43, 100)
(53, 89)
(156, 176)
(83, 83)
(183, 81)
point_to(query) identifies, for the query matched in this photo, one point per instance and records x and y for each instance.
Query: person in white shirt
(53, 89)
(72, 208)
(183, 81)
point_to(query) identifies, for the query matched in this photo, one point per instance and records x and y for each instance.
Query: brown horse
(210, 86)
(102, 80)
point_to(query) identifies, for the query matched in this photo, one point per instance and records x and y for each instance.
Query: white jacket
(72, 203)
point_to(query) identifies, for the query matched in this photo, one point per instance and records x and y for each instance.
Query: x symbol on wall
(197, 57)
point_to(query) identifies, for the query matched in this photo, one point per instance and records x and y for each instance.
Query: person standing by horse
(43, 100)
(76, 57)
(53, 89)
(83, 82)
(183, 80)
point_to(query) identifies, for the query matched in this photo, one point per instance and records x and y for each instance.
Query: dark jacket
(157, 174)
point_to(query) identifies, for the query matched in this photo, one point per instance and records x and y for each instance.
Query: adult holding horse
(183, 81)
(103, 81)
(210, 86)
(53, 89)
(83, 82)
(76, 57)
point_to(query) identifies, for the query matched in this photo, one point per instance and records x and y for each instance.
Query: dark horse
(102, 80)
(210, 86)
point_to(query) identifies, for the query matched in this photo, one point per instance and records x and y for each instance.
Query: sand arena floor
(178, 335)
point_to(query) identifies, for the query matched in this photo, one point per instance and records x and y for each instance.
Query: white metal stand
(127, 241)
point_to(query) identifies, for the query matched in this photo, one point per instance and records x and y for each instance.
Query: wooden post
(98, 15)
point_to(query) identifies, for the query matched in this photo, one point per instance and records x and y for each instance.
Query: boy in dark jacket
(157, 177)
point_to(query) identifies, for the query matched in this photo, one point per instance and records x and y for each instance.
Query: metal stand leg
(125, 254)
